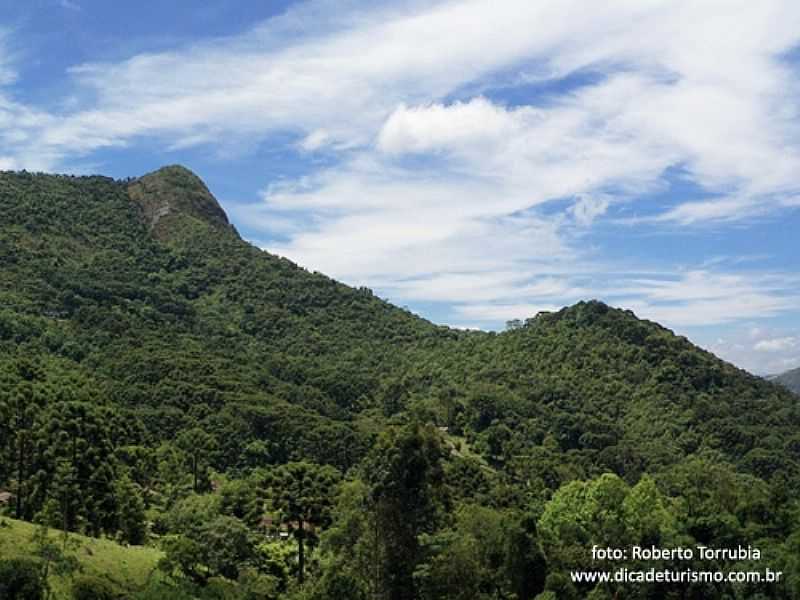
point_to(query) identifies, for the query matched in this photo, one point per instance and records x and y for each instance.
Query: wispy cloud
(69, 5)
(776, 344)
(19, 124)
(687, 301)
(8, 72)
(680, 88)
(703, 297)
(434, 189)
(762, 350)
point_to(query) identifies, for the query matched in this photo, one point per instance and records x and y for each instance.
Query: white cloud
(388, 227)
(8, 72)
(764, 350)
(19, 124)
(587, 208)
(315, 140)
(690, 84)
(701, 298)
(443, 200)
(69, 5)
(776, 344)
(437, 127)
(491, 286)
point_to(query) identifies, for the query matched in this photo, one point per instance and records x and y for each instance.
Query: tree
(405, 474)
(351, 547)
(87, 587)
(451, 568)
(75, 466)
(52, 558)
(190, 514)
(240, 498)
(142, 465)
(228, 546)
(524, 563)
(480, 558)
(130, 512)
(220, 547)
(18, 412)
(20, 579)
(184, 556)
(198, 446)
(605, 512)
(302, 492)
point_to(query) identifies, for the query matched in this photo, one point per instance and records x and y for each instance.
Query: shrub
(20, 579)
(87, 587)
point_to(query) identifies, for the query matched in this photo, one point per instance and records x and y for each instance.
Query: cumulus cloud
(440, 193)
(436, 127)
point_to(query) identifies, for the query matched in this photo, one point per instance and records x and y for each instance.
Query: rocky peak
(172, 193)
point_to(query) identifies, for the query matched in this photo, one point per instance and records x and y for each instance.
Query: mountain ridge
(789, 379)
(177, 320)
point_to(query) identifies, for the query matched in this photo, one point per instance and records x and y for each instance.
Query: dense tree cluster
(281, 435)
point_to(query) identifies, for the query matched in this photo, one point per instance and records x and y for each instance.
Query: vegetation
(790, 379)
(72, 561)
(253, 430)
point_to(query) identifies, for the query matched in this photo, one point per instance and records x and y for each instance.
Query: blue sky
(476, 162)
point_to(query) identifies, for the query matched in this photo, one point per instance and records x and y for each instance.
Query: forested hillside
(790, 379)
(281, 435)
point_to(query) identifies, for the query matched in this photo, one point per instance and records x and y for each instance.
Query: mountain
(790, 379)
(145, 346)
(145, 289)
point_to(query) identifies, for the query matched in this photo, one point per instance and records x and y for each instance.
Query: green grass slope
(127, 568)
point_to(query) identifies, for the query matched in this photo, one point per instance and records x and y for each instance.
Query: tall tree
(18, 412)
(303, 492)
(75, 465)
(130, 511)
(198, 446)
(405, 473)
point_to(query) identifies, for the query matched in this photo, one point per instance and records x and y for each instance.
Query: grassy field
(128, 568)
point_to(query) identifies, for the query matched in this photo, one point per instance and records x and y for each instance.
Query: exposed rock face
(171, 193)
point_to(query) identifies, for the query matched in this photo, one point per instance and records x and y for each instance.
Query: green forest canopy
(155, 367)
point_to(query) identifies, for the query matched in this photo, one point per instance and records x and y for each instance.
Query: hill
(790, 379)
(608, 387)
(165, 314)
(149, 355)
(124, 568)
